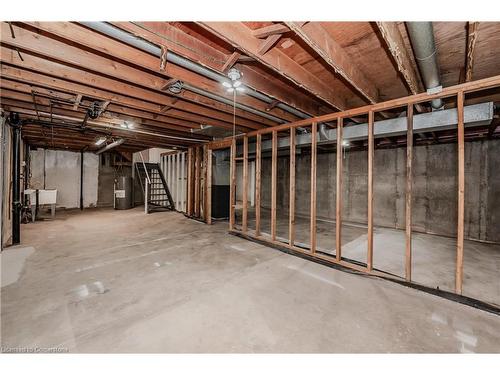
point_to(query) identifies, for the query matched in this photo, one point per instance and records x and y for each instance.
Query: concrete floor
(433, 256)
(123, 281)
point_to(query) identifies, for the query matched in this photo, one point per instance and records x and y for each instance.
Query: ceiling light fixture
(345, 143)
(234, 83)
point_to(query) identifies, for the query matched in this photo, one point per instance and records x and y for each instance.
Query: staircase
(156, 194)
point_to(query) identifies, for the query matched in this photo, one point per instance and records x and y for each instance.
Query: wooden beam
(291, 210)
(461, 195)
(268, 43)
(335, 56)
(409, 187)
(274, 169)
(314, 151)
(266, 31)
(371, 152)
(394, 41)
(240, 36)
(231, 60)
(244, 224)
(258, 166)
(338, 206)
(472, 28)
(232, 185)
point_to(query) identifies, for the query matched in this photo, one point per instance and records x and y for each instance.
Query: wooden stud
(190, 172)
(338, 208)
(209, 187)
(205, 185)
(369, 261)
(314, 137)
(409, 186)
(291, 210)
(274, 167)
(232, 186)
(461, 195)
(258, 163)
(244, 224)
(197, 182)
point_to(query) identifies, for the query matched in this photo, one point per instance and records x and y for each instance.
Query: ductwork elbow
(424, 47)
(322, 132)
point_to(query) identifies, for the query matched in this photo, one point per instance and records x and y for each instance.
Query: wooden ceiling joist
(316, 37)
(142, 98)
(15, 90)
(240, 37)
(68, 54)
(188, 46)
(140, 58)
(395, 43)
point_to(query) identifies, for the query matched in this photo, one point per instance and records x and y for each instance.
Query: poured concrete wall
(54, 169)
(434, 188)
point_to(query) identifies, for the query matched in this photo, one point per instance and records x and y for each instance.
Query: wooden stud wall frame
(311, 125)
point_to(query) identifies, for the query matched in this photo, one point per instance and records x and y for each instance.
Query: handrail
(145, 169)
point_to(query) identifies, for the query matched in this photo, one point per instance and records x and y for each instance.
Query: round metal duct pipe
(142, 44)
(424, 47)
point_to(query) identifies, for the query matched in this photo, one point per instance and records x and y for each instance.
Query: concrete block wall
(434, 188)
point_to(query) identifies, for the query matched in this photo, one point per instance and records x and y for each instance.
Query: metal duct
(118, 142)
(424, 47)
(142, 44)
(323, 136)
(474, 115)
